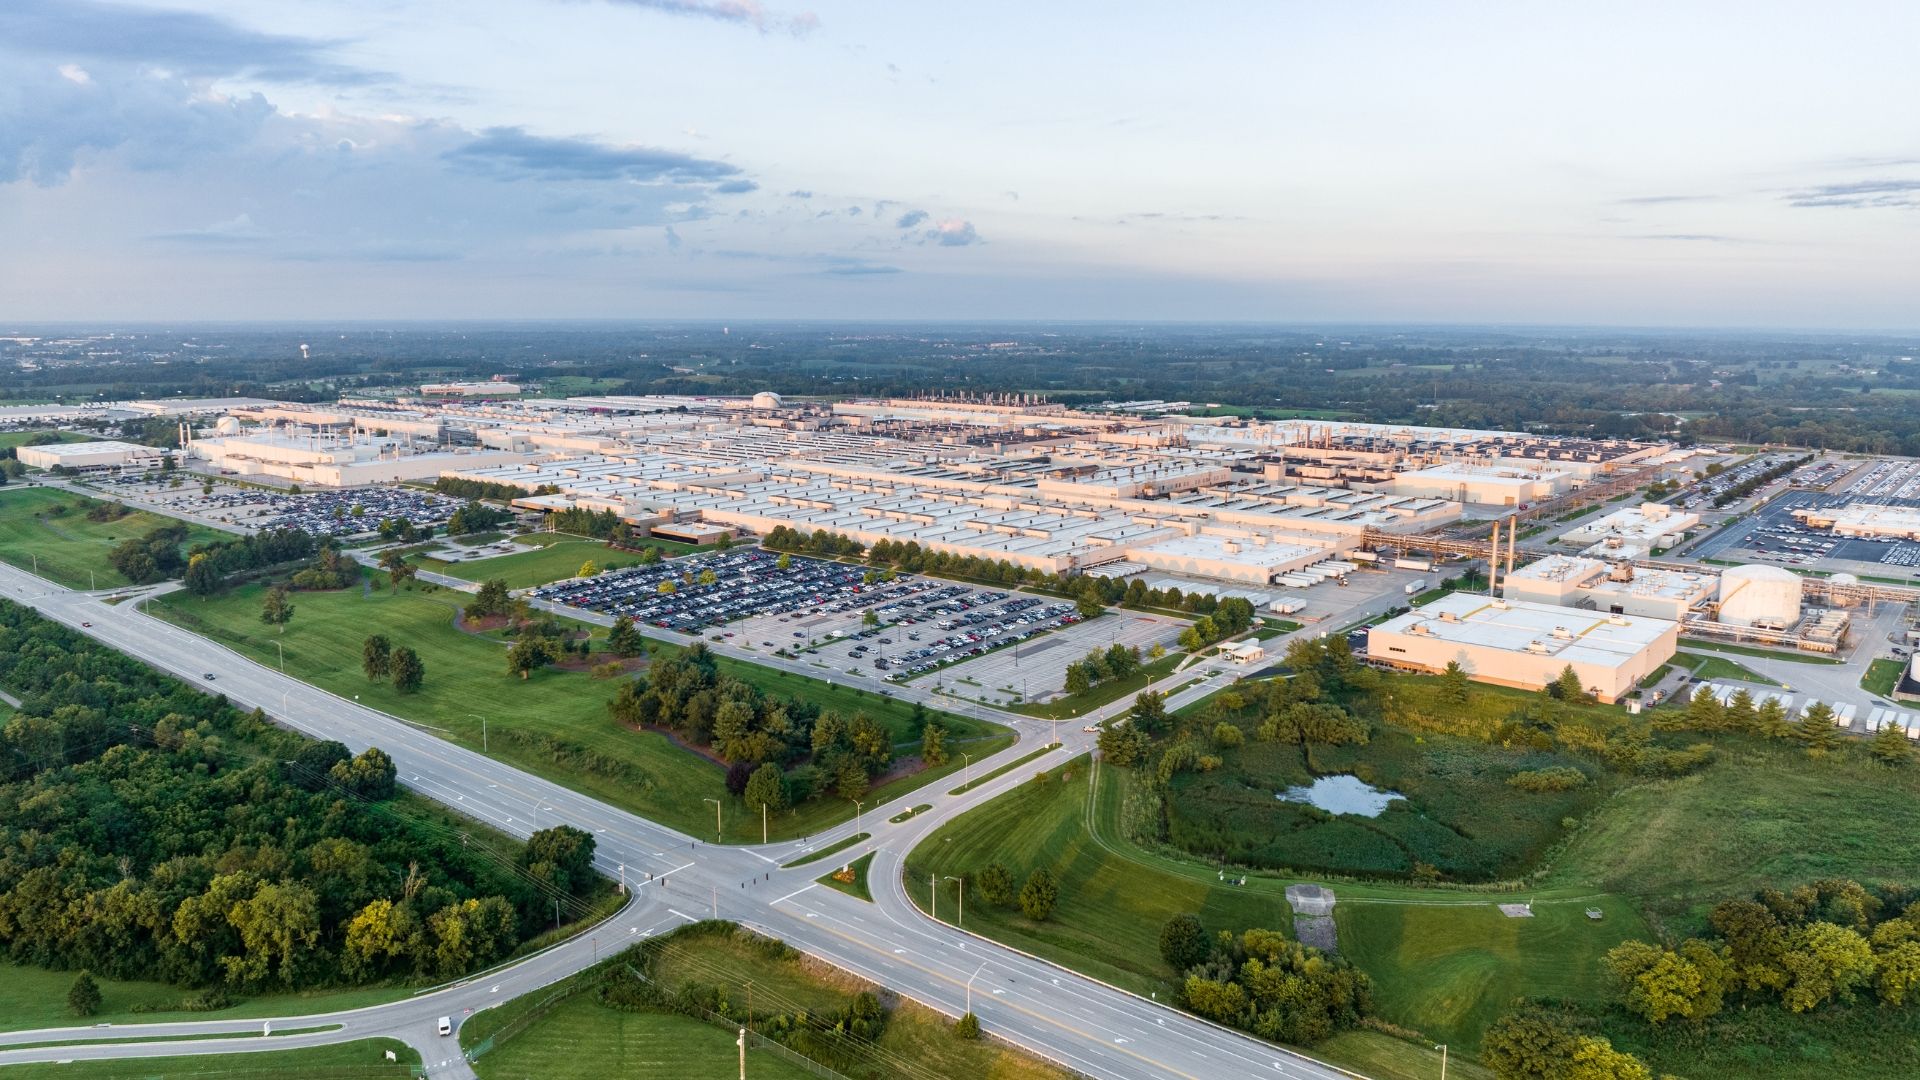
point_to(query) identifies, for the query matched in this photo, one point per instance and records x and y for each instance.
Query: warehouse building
(1526, 645)
(1870, 520)
(1610, 588)
(90, 456)
(1482, 485)
(1647, 527)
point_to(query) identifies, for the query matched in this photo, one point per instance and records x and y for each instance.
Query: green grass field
(345, 1061)
(9, 439)
(32, 997)
(558, 557)
(554, 724)
(1719, 667)
(583, 1039)
(1748, 650)
(70, 549)
(1076, 704)
(858, 888)
(1882, 676)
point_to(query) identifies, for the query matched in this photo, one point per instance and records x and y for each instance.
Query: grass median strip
(854, 884)
(1008, 767)
(89, 1040)
(830, 849)
(907, 814)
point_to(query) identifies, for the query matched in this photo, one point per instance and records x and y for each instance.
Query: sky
(1647, 164)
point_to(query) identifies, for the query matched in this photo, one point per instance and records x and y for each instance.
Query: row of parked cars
(991, 623)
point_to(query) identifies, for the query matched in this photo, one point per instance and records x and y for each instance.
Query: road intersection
(1080, 1023)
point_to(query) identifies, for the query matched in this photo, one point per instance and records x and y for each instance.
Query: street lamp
(1442, 1047)
(483, 730)
(716, 818)
(969, 760)
(283, 654)
(970, 978)
(857, 807)
(963, 903)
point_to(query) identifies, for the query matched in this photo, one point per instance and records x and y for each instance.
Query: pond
(1342, 795)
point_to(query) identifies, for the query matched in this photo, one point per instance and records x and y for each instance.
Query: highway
(1077, 1022)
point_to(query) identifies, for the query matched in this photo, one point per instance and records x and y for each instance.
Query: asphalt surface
(1082, 1024)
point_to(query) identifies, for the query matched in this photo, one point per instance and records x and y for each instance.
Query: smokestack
(1493, 562)
(1513, 528)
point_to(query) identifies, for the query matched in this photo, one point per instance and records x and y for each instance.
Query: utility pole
(763, 823)
(483, 730)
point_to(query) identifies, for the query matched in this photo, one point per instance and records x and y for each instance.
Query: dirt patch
(481, 625)
(577, 663)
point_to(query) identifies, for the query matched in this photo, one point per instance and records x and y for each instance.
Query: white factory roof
(87, 449)
(1512, 476)
(1593, 575)
(1876, 516)
(1221, 549)
(1570, 634)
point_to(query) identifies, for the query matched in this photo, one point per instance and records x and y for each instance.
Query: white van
(446, 1025)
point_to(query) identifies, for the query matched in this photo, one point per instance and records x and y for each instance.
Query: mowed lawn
(553, 724)
(32, 997)
(343, 1061)
(70, 549)
(583, 1039)
(558, 557)
(21, 438)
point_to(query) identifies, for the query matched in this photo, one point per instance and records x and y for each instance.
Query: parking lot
(809, 601)
(1774, 535)
(1036, 670)
(322, 513)
(1892, 479)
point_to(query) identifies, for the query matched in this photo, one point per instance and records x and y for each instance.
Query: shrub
(1553, 778)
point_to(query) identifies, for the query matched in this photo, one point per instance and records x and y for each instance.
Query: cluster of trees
(1229, 617)
(381, 659)
(1754, 483)
(477, 517)
(1036, 897)
(601, 525)
(1260, 981)
(1111, 664)
(1815, 730)
(819, 542)
(399, 570)
(1831, 942)
(154, 556)
(211, 566)
(403, 530)
(1535, 1043)
(686, 694)
(329, 570)
(484, 489)
(155, 832)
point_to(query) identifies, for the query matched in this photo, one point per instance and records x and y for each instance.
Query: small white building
(1647, 526)
(1526, 645)
(1243, 652)
(1871, 520)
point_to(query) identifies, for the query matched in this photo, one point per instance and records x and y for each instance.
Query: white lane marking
(797, 892)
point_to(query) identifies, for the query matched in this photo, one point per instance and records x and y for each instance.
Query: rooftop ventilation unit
(1537, 646)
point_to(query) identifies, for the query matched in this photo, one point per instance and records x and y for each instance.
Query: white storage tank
(1760, 596)
(766, 399)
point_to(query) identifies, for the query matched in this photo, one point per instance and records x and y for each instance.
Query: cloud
(1703, 238)
(239, 229)
(53, 121)
(800, 194)
(512, 153)
(673, 239)
(911, 218)
(741, 12)
(861, 269)
(735, 187)
(183, 43)
(953, 232)
(1660, 200)
(1859, 194)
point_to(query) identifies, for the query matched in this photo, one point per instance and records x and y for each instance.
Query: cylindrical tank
(227, 425)
(766, 399)
(1759, 596)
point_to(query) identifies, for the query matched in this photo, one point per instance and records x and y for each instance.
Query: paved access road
(1085, 1025)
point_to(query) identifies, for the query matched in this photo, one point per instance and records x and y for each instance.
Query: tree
(967, 1027)
(1183, 942)
(562, 855)
(1089, 607)
(492, 599)
(1227, 736)
(1190, 639)
(1826, 963)
(528, 653)
(1079, 681)
(277, 610)
(376, 657)
(397, 567)
(623, 640)
(869, 617)
(708, 577)
(767, 787)
(83, 997)
(1535, 1045)
(995, 885)
(1567, 686)
(1770, 719)
(369, 775)
(1817, 730)
(667, 588)
(933, 745)
(408, 671)
(1703, 710)
(1149, 713)
(587, 569)
(783, 562)
(1741, 714)
(203, 575)
(1889, 746)
(1453, 683)
(1039, 895)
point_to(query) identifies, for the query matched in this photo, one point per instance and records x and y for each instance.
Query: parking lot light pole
(716, 818)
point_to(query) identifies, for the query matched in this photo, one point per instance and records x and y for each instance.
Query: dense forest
(1841, 392)
(148, 830)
